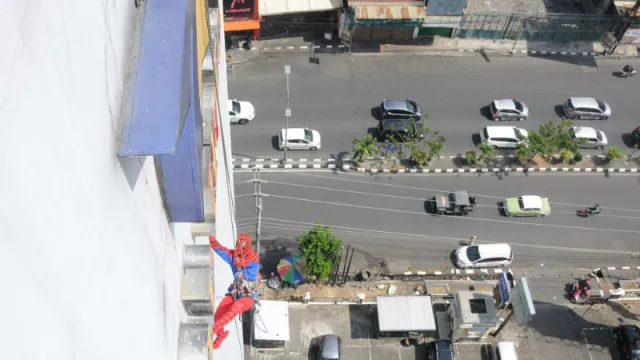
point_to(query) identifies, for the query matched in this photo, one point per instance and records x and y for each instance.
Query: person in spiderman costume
(245, 265)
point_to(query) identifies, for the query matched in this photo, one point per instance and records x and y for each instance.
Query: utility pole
(257, 188)
(287, 112)
(627, 22)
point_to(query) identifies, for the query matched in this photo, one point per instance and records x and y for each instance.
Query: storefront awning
(389, 12)
(405, 313)
(273, 322)
(280, 7)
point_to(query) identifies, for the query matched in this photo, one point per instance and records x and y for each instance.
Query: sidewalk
(444, 46)
(436, 46)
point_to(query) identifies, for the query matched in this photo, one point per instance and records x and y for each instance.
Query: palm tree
(365, 147)
(486, 150)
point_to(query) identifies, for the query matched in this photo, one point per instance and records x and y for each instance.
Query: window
(601, 106)
(231, 113)
(519, 134)
(473, 254)
(569, 104)
(486, 133)
(599, 135)
(308, 135)
(520, 203)
(498, 357)
(519, 106)
(235, 105)
(478, 306)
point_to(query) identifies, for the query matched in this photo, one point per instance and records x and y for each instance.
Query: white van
(485, 255)
(504, 350)
(504, 136)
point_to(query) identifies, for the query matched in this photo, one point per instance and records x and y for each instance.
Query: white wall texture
(88, 265)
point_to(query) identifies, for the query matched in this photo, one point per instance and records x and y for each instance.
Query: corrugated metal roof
(389, 12)
(446, 7)
(405, 313)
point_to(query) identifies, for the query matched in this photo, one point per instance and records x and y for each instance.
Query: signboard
(631, 36)
(523, 307)
(505, 290)
(239, 9)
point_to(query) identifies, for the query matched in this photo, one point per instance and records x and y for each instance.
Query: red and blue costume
(245, 265)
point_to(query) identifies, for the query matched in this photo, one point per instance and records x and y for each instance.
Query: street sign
(523, 307)
(505, 289)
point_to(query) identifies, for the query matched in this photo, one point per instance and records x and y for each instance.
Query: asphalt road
(385, 217)
(339, 97)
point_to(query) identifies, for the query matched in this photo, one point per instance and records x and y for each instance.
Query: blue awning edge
(181, 173)
(158, 90)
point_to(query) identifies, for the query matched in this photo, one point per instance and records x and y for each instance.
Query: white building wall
(88, 264)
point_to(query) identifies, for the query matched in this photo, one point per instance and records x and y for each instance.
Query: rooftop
(476, 308)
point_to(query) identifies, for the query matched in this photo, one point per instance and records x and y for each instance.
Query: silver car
(586, 108)
(508, 109)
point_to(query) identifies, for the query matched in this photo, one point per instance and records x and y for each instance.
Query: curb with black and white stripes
(454, 272)
(543, 53)
(343, 164)
(347, 159)
(512, 52)
(301, 47)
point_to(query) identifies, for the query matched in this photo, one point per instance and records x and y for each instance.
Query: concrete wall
(88, 265)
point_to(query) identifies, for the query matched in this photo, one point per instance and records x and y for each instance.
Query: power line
(290, 225)
(442, 190)
(419, 199)
(422, 213)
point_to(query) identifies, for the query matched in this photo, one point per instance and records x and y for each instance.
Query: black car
(400, 109)
(627, 338)
(456, 203)
(400, 129)
(440, 350)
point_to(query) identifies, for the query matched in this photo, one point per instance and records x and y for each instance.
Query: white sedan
(241, 112)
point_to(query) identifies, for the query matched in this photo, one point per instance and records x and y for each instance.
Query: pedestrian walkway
(436, 46)
(442, 45)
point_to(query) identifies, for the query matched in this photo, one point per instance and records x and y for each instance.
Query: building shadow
(363, 322)
(562, 326)
(131, 168)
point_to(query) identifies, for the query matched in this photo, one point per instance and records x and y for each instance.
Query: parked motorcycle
(581, 289)
(590, 211)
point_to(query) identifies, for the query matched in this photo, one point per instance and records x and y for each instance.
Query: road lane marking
(441, 190)
(446, 239)
(421, 199)
(455, 217)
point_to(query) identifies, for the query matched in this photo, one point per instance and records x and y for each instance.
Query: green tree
(435, 142)
(567, 155)
(318, 247)
(365, 147)
(417, 154)
(613, 153)
(470, 157)
(486, 151)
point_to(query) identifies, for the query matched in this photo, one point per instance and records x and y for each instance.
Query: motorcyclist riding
(628, 69)
(594, 209)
